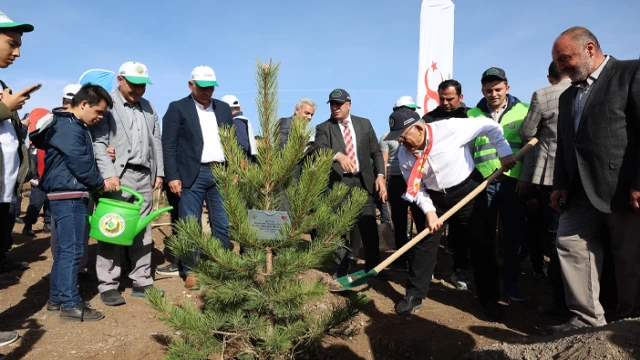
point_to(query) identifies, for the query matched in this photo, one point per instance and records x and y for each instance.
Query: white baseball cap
(6, 23)
(204, 76)
(406, 101)
(231, 100)
(135, 73)
(70, 90)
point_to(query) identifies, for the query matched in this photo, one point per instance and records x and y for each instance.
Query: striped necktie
(348, 141)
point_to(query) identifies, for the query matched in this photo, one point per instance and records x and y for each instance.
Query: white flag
(436, 50)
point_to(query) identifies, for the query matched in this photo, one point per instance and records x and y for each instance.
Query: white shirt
(449, 163)
(353, 137)
(212, 146)
(10, 160)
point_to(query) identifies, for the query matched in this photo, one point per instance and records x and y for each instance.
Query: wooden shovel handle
(451, 211)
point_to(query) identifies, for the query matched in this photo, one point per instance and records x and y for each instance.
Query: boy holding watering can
(70, 174)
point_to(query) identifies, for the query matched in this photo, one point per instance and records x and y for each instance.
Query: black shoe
(559, 313)
(494, 311)
(51, 306)
(408, 305)
(27, 231)
(112, 298)
(46, 229)
(169, 270)
(10, 265)
(139, 291)
(19, 220)
(558, 329)
(82, 312)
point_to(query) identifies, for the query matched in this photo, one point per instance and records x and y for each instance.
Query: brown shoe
(191, 283)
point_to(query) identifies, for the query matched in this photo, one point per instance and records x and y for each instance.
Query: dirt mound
(619, 340)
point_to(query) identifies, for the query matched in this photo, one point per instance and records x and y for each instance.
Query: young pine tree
(255, 305)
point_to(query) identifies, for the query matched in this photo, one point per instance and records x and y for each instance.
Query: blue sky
(369, 48)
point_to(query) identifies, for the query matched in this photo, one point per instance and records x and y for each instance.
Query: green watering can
(118, 222)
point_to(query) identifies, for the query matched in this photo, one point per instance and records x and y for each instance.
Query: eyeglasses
(402, 138)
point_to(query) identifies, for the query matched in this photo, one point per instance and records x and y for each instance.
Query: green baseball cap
(6, 23)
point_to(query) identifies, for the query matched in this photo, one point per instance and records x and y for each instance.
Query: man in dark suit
(597, 177)
(354, 143)
(191, 145)
(305, 108)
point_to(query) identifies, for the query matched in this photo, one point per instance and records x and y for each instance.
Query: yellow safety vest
(485, 155)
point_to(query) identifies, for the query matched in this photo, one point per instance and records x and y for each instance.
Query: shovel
(361, 277)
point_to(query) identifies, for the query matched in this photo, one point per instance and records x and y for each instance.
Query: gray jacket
(542, 123)
(112, 130)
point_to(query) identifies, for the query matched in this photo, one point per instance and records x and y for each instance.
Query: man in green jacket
(504, 196)
(14, 159)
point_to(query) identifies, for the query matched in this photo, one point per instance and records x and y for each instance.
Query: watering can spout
(147, 219)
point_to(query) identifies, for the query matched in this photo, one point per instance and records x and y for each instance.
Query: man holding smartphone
(14, 158)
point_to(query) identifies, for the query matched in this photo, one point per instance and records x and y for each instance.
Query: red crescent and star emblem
(431, 94)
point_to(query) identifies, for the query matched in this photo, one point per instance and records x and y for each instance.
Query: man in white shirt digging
(439, 173)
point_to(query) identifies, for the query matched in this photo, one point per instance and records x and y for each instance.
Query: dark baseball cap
(339, 95)
(494, 72)
(400, 120)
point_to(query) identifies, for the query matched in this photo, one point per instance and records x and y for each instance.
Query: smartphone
(36, 88)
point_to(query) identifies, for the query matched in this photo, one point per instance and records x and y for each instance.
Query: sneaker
(459, 280)
(27, 231)
(139, 291)
(169, 270)
(51, 306)
(46, 228)
(112, 298)
(7, 337)
(19, 220)
(82, 312)
(408, 305)
(191, 283)
(514, 292)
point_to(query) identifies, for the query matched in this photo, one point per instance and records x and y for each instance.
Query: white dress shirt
(449, 163)
(212, 146)
(353, 137)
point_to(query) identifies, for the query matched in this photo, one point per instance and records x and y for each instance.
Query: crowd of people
(574, 197)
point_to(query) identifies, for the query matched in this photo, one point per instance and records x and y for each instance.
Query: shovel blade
(354, 280)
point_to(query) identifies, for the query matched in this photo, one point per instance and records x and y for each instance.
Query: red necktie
(348, 142)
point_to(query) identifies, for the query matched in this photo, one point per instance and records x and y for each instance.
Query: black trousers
(396, 187)
(5, 231)
(470, 220)
(364, 233)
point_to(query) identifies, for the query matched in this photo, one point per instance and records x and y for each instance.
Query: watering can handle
(134, 193)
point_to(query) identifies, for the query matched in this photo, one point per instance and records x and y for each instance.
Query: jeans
(71, 217)
(205, 190)
(503, 199)
(37, 200)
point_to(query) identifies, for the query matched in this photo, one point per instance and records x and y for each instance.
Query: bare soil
(451, 324)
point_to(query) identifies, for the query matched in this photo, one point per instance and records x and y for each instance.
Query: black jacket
(329, 136)
(182, 141)
(439, 114)
(69, 163)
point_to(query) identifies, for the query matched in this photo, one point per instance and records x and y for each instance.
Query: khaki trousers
(581, 232)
